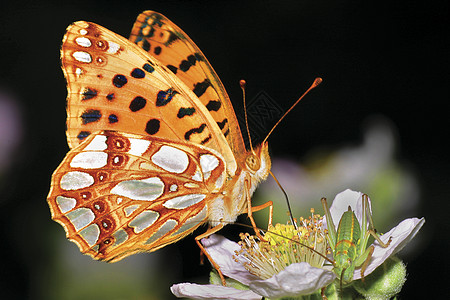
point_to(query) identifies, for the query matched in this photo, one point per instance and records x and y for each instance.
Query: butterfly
(155, 146)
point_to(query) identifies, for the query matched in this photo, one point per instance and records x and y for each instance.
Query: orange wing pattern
(173, 48)
(156, 149)
(115, 188)
(113, 84)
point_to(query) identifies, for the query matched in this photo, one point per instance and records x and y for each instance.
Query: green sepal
(214, 278)
(385, 282)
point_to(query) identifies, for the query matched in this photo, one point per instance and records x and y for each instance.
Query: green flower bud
(385, 282)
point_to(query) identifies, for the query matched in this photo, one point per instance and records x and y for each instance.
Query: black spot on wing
(146, 45)
(157, 50)
(200, 87)
(119, 80)
(213, 105)
(172, 38)
(223, 123)
(152, 126)
(164, 97)
(89, 93)
(185, 111)
(138, 103)
(110, 96)
(188, 133)
(137, 73)
(172, 68)
(82, 135)
(90, 115)
(149, 68)
(206, 140)
(112, 118)
(186, 64)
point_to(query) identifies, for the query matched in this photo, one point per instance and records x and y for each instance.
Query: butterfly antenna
(242, 83)
(316, 82)
(287, 200)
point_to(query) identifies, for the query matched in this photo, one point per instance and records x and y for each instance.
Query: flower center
(284, 245)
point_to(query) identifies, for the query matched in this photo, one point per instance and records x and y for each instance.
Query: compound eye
(253, 162)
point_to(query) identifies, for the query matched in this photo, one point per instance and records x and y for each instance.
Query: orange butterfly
(156, 148)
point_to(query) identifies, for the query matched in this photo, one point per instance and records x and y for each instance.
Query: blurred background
(377, 124)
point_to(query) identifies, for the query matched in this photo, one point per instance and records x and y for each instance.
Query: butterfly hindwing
(116, 190)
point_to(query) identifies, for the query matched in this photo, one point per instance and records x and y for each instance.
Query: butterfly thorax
(233, 199)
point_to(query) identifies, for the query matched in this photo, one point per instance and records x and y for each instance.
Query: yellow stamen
(284, 245)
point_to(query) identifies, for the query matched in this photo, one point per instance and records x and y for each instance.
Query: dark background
(375, 58)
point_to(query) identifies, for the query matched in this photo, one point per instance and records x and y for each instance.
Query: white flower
(400, 235)
(296, 279)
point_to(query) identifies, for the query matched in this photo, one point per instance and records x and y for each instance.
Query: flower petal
(341, 203)
(222, 251)
(211, 291)
(296, 279)
(401, 235)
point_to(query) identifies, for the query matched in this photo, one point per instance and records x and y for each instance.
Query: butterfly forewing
(117, 194)
(115, 85)
(172, 47)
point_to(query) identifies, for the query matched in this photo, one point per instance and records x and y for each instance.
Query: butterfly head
(258, 162)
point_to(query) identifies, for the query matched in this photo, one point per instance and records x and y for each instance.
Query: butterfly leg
(251, 209)
(205, 235)
(261, 207)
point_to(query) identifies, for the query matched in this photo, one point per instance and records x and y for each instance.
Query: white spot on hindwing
(173, 188)
(89, 160)
(80, 217)
(120, 237)
(76, 180)
(130, 209)
(113, 47)
(98, 143)
(197, 176)
(163, 230)
(90, 234)
(82, 56)
(78, 72)
(182, 202)
(144, 220)
(65, 203)
(83, 41)
(171, 159)
(191, 185)
(138, 146)
(193, 222)
(208, 163)
(148, 189)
